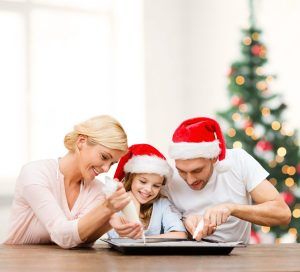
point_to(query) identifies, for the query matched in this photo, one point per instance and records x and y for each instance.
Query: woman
(59, 200)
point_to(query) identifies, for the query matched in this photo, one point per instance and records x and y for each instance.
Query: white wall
(164, 67)
(189, 47)
(75, 89)
(280, 22)
(61, 64)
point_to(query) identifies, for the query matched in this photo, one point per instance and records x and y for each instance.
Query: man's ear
(214, 160)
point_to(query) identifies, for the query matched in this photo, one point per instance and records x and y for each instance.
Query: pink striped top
(40, 213)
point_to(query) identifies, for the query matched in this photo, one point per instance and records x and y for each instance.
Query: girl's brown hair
(146, 209)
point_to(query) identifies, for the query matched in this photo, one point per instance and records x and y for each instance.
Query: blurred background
(149, 63)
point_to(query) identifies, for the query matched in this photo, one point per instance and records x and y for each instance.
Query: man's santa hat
(199, 138)
(143, 158)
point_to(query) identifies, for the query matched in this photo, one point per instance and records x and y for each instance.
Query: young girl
(144, 170)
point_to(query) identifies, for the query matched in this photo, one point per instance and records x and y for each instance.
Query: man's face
(195, 172)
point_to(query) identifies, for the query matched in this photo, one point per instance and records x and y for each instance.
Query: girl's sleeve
(112, 234)
(171, 217)
(38, 195)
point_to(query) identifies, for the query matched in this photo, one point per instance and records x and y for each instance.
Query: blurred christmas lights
(289, 182)
(273, 181)
(231, 132)
(247, 41)
(255, 36)
(237, 144)
(281, 151)
(265, 111)
(275, 125)
(239, 80)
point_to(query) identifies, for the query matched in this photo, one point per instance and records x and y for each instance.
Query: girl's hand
(124, 228)
(118, 200)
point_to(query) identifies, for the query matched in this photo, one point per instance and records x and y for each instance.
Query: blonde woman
(144, 170)
(60, 200)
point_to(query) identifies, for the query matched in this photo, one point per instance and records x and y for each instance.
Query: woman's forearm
(96, 235)
(95, 223)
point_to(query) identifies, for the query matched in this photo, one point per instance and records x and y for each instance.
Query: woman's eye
(103, 157)
(141, 181)
(156, 186)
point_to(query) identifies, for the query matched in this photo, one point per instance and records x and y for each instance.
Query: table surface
(284, 257)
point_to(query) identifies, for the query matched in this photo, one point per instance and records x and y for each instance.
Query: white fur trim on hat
(186, 150)
(149, 165)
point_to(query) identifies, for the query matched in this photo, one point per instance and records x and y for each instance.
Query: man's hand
(213, 217)
(124, 228)
(191, 223)
(218, 214)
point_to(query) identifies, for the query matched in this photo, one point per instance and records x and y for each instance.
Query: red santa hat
(199, 137)
(143, 158)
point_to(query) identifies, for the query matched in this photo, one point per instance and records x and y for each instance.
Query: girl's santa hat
(199, 138)
(143, 158)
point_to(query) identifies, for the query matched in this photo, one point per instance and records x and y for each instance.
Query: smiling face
(195, 172)
(146, 187)
(94, 159)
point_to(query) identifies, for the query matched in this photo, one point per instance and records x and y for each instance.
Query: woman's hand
(124, 228)
(118, 200)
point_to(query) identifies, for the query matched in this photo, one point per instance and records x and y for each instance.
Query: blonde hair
(102, 129)
(146, 209)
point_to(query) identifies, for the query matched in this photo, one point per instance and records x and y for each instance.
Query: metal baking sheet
(166, 246)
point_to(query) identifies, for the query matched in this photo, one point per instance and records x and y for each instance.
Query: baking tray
(169, 246)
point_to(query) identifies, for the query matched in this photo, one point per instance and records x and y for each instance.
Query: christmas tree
(255, 123)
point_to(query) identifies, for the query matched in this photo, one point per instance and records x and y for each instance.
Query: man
(218, 185)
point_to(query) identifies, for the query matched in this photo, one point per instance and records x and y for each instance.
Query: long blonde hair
(146, 209)
(102, 129)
